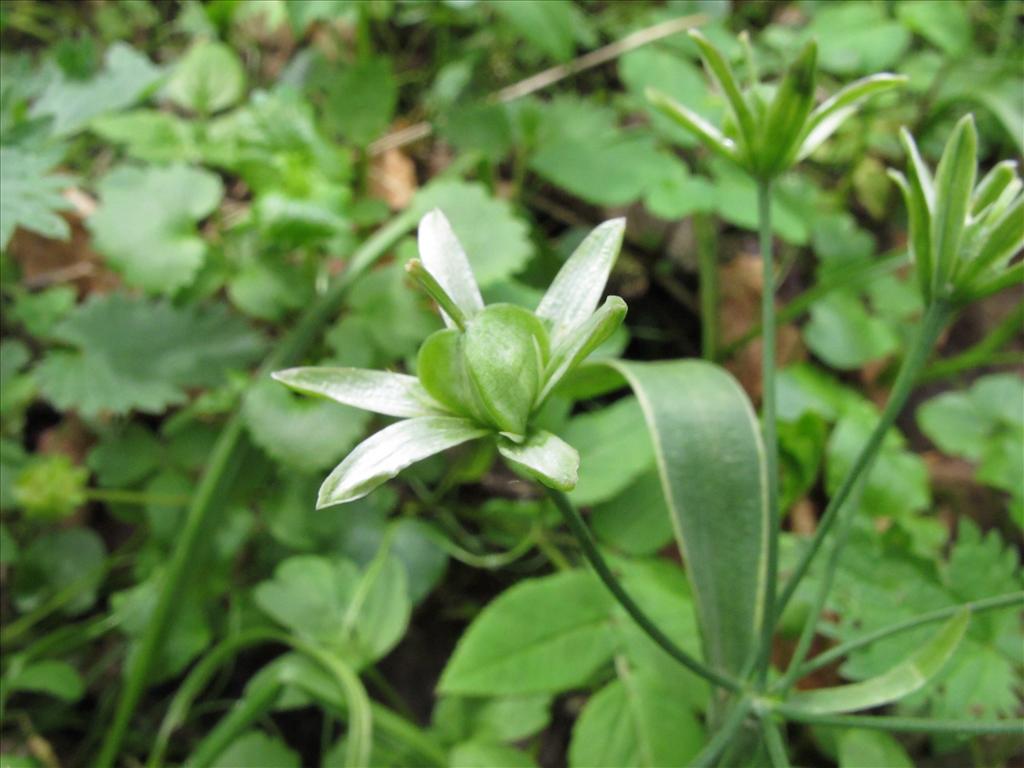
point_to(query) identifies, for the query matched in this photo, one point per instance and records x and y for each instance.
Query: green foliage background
(178, 182)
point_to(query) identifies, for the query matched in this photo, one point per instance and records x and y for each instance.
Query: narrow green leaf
(898, 682)
(574, 293)
(917, 170)
(443, 256)
(709, 135)
(991, 187)
(392, 394)
(788, 113)
(1014, 275)
(711, 460)
(721, 72)
(383, 455)
(581, 341)
(545, 457)
(954, 182)
(542, 635)
(833, 112)
(1004, 240)
(920, 237)
(506, 350)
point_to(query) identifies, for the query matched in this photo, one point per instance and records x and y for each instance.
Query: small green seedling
(484, 376)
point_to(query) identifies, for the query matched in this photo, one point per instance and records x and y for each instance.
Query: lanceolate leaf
(720, 70)
(898, 682)
(709, 135)
(788, 112)
(581, 341)
(392, 394)
(386, 453)
(444, 258)
(954, 182)
(831, 113)
(711, 460)
(546, 457)
(577, 288)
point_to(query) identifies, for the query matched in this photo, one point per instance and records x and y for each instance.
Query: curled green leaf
(545, 457)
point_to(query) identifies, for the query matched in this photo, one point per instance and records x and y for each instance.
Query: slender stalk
(220, 467)
(723, 736)
(708, 265)
(252, 706)
(934, 321)
(906, 724)
(985, 352)
(590, 550)
(768, 425)
(840, 651)
(803, 645)
(855, 274)
(773, 741)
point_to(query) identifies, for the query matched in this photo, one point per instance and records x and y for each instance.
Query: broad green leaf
(51, 676)
(126, 77)
(831, 113)
(552, 26)
(133, 354)
(499, 719)
(897, 683)
(576, 290)
(946, 25)
(150, 135)
(441, 366)
(361, 99)
(544, 457)
(845, 335)
(787, 114)
(708, 449)
(871, 749)
(332, 602)
(506, 349)
(857, 38)
(30, 195)
(302, 433)
(255, 748)
(614, 450)
(146, 223)
(386, 453)
(444, 258)
(580, 341)
(39, 312)
(693, 123)
(207, 79)
(636, 521)
(392, 394)
(722, 74)
(482, 754)
(543, 635)
(69, 562)
(495, 240)
(636, 721)
(954, 183)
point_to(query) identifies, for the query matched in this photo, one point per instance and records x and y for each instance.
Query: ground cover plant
(323, 445)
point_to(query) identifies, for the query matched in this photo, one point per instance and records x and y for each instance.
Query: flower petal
(392, 394)
(576, 289)
(444, 258)
(386, 453)
(545, 457)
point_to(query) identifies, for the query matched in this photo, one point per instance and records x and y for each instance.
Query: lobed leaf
(711, 460)
(574, 293)
(897, 683)
(386, 453)
(391, 394)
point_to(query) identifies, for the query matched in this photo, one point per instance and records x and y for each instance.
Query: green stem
(985, 352)
(590, 550)
(768, 424)
(841, 277)
(906, 724)
(723, 736)
(840, 651)
(773, 741)
(214, 483)
(934, 321)
(708, 265)
(253, 705)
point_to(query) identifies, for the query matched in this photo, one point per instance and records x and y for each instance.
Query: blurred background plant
(181, 186)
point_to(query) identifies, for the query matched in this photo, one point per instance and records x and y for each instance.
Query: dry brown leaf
(393, 179)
